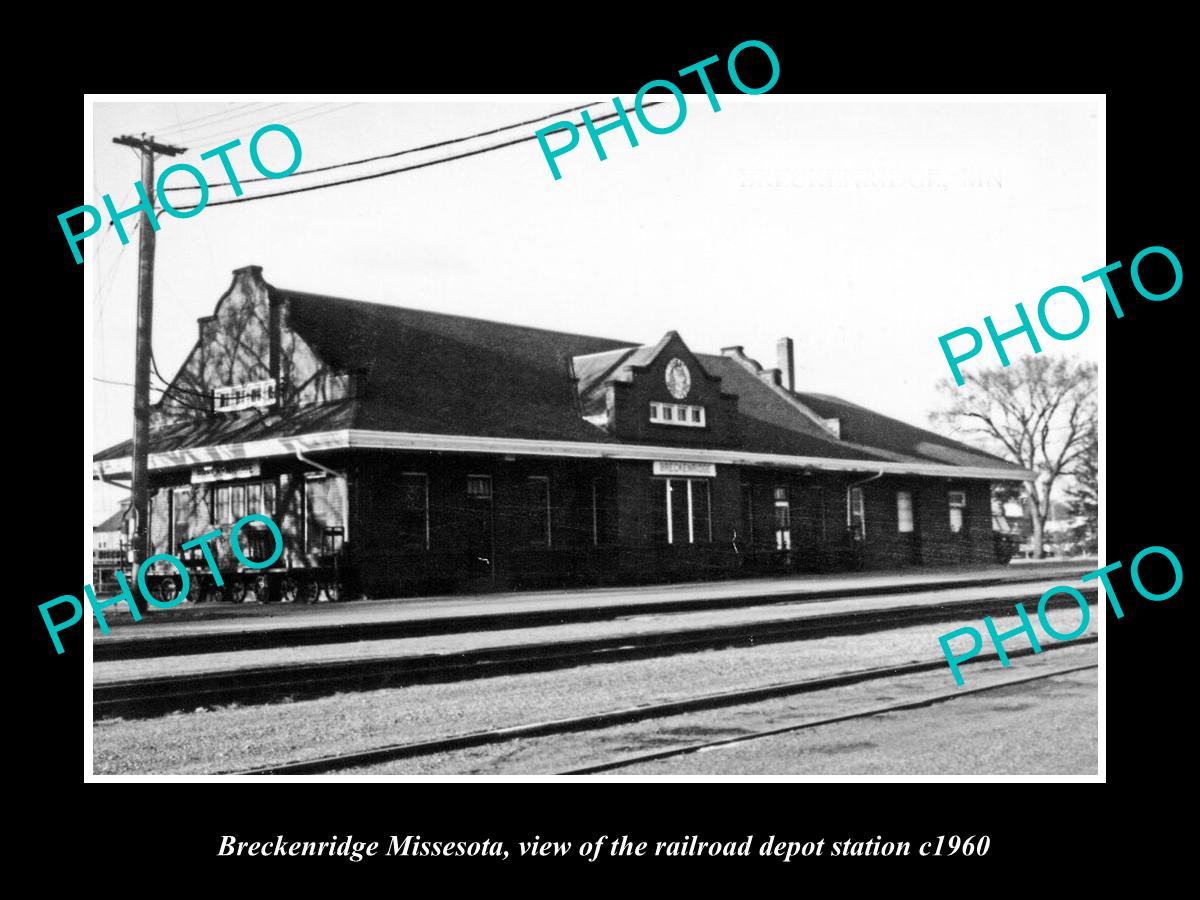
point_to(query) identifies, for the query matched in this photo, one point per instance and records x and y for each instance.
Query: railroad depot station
(404, 451)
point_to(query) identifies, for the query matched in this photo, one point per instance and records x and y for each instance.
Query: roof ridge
(942, 440)
(738, 355)
(449, 315)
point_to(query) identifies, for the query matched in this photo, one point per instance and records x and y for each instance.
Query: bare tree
(1083, 497)
(1040, 413)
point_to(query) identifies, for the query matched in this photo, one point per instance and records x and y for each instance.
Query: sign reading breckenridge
(685, 469)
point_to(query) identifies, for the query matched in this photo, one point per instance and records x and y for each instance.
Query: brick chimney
(785, 357)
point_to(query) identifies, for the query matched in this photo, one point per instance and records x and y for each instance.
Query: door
(808, 526)
(477, 538)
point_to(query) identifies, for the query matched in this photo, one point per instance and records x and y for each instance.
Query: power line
(423, 165)
(203, 232)
(366, 159)
(109, 280)
(222, 130)
(109, 229)
(185, 124)
(220, 116)
(123, 383)
(316, 115)
(174, 387)
(300, 115)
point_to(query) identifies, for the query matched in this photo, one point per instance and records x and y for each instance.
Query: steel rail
(626, 716)
(145, 646)
(146, 697)
(688, 749)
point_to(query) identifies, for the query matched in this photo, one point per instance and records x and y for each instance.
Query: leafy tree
(1083, 497)
(1039, 412)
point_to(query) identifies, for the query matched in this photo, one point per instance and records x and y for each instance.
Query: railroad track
(142, 646)
(146, 697)
(724, 699)
(688, 749)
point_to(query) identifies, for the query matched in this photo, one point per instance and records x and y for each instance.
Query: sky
(863, 230)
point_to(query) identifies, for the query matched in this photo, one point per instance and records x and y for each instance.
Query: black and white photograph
(670, 436)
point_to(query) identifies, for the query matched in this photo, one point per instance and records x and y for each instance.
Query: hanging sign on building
(685, 469)
(244, 396)
(207, 474)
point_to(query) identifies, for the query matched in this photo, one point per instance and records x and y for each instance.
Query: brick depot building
(434, 451)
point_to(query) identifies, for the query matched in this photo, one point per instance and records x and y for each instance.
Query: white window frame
(691, 515)
(681, 414)
(670, 524)
(345, 526)
(491, 488)
(783, 536)
(252, 508)
(218, 518)
(174, 509)
(862, 508)
(957, 501)
(691, 509)
(899, 513)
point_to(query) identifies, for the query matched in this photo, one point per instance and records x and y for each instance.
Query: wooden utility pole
(140, 502)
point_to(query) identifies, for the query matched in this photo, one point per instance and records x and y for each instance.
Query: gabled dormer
(247, 356)
(656, 394)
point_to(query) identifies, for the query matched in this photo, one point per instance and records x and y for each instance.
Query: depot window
(958, 502)
(677, 414)
(904, 512)
(325, 512)
(682, 511)
(232, 502)
(479, 487)
(783, 520)
(180, 503)
(856, 519)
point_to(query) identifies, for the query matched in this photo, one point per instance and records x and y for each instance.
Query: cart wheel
(166, 589)
(259, 587)
(332, 589)
(288, 589)
(307, 590)
(209, 592)
(235, 589)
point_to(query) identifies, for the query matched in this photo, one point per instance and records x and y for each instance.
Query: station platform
(455, 613)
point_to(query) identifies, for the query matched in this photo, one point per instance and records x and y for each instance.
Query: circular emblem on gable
(679, 379)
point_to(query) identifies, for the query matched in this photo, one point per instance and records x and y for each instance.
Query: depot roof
(435, 381)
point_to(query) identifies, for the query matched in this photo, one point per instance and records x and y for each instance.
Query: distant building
(426, 450)
(109, 545)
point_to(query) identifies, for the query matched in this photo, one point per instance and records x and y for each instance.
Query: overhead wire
(367, 159)
(174, 387)
(184, 124)
(301, 115)
(110, 277)
(413, 167)
(202, 123)
(107, 282)
(123, 383)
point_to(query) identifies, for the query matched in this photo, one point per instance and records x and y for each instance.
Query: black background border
(173, 829)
